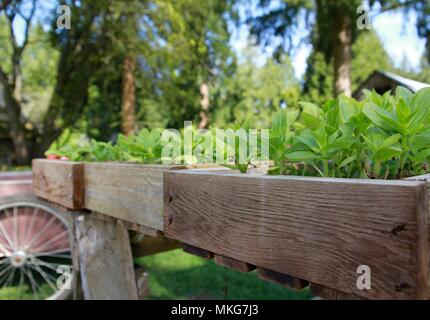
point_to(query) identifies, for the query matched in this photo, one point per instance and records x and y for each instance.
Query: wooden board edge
(423, 266)
(282, 279)
(261, 177)
(331, 294)
(149, 245)
(233, 263)
(75, 199)
(421, 260)
(195, 251)
(78, 173)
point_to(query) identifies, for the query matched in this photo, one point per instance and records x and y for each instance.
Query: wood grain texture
(105, 260)
(130, 192)
(198, 252)
(282, 279)
(128, 225)
(153, 245)
(330, 294)
(318, 230)
(425, 178)
(61, 182)
(233, 263)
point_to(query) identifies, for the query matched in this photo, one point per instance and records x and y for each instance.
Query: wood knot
(398, 229)
(402, 286)
(170, 198)
(170, 220)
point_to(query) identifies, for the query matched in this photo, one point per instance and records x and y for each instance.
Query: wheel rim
(35, 253)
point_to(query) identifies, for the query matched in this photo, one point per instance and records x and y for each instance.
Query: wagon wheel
(35, 251)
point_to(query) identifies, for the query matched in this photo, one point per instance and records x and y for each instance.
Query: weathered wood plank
(128, 225)
(282, 279)
(153, 245)
(233, 263)
(318, 230)
(330, 294)
(425, 178)
(130, 192)
(61, 182)
(105, 260)
(197, 251)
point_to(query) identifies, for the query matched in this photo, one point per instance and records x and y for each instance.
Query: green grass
(177, 275)
(24, 293)
(6, 168)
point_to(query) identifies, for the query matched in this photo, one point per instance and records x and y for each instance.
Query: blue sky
(397, 33)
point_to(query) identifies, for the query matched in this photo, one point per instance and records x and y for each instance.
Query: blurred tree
(77, 59)
(254, 93)
(11, 78)
(170, 49)
(368, 54)
(332, 25)
(178, 47)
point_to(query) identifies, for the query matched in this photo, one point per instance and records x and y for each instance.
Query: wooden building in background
(382, 81)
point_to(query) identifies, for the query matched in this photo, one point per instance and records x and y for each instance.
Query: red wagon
(35, 246)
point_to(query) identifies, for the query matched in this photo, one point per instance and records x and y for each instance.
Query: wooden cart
(293, 230)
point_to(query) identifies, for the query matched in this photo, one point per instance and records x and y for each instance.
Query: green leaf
(347, 161)
(391, 140)
(306, 138)
(403, 112)
(347, 108)
(380, 117)
(301, 156)
(279, 123)
(311, 108)
(405, 94)
(421, 99)
(417, 122)
(386, 154)
(310, 121)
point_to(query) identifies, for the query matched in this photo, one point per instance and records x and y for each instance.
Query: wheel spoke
(9, 281)
(4, 275)
(31, 238)
(41, 232)
(4, 250)
(3, 267)
(15, 227)
(54, 253)
(30, 226)
(6, 236)
(32, 282)
(44, 275)
(52, 266)
(4, 272)
(61, 234)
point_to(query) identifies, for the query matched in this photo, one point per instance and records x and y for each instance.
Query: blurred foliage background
(126, 65)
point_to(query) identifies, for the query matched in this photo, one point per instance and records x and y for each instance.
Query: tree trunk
(128, 103)
(16, 128)
(204, 116)
(342, 42)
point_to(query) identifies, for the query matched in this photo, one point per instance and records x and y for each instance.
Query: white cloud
(399, 37)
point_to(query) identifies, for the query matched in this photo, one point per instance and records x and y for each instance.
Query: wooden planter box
(129, 192)
(293, 230)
